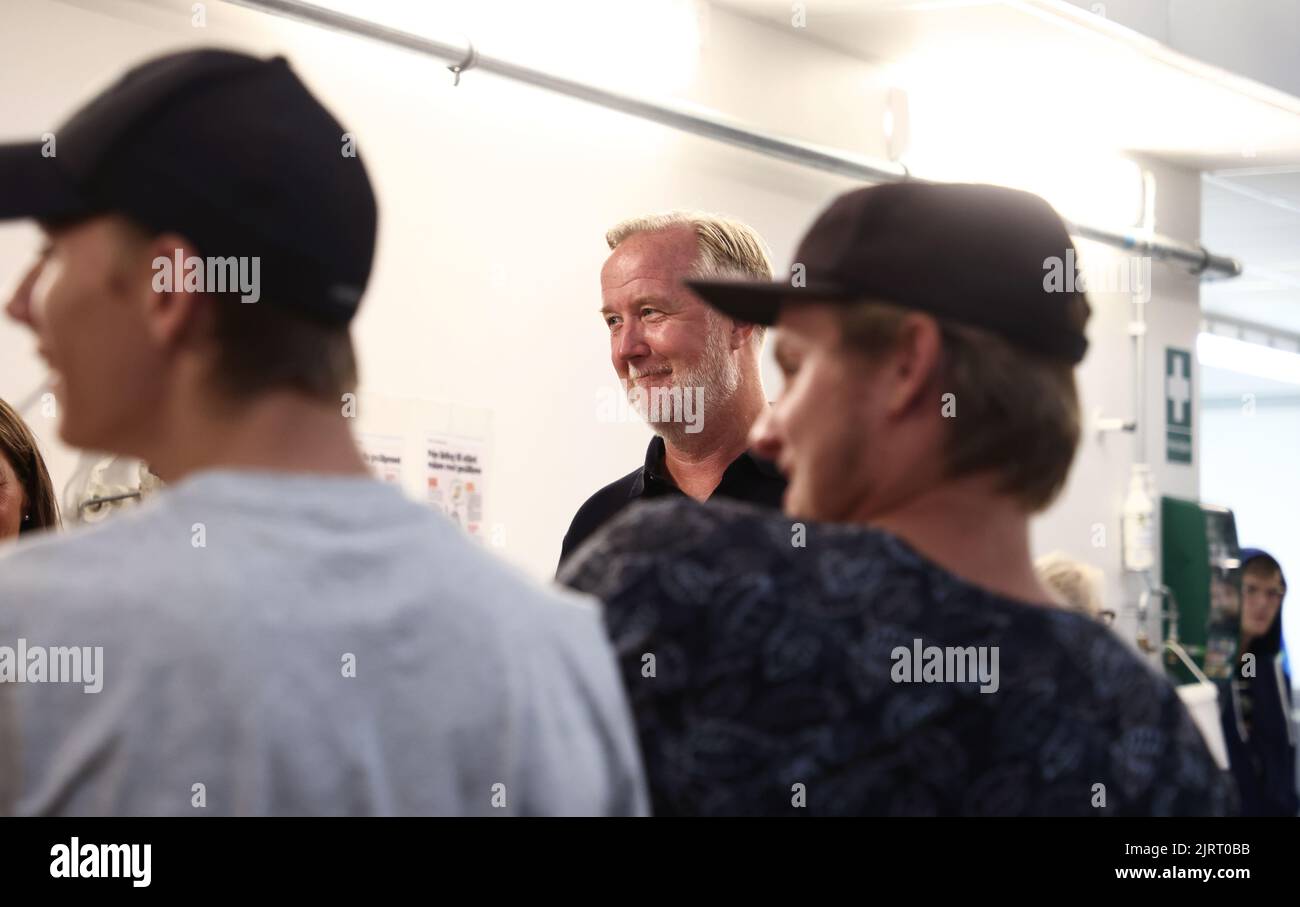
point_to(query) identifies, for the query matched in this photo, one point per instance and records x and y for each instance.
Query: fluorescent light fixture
(1247, 358)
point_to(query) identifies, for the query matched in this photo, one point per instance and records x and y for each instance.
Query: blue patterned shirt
(773, 674)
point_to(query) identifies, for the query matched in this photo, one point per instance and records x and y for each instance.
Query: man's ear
(913, 364)
(169, 308)
(742, 332)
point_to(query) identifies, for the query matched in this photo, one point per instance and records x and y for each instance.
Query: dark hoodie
(1263, 759)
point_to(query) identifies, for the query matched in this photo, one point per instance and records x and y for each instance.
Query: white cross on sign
(1179, 390)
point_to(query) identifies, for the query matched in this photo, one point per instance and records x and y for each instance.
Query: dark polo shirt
(748, 478)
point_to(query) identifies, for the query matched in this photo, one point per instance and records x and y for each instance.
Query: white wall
(494, 199)
(1098, 483)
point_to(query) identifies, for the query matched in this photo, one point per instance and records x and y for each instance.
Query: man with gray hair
(689, 371)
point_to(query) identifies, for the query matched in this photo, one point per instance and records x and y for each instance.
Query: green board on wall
(1200, 563)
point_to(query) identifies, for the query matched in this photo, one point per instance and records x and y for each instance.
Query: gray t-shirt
(299, 644)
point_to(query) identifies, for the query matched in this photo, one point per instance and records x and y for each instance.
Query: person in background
(1256, 715)
(276, 631)
(885, 647)
(1078, 585)
(27, 500)
(691, 372)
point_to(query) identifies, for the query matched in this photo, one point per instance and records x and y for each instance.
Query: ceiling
(1257, 215)
(1231, 388)
(1094, 76)
(1203, 85)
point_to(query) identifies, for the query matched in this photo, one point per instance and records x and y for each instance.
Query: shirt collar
(652, 468)
(655, 471)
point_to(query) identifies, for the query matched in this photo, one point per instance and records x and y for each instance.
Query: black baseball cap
(970, 253)
(229, 150)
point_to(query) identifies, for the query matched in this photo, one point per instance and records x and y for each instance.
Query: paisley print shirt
(782, 668)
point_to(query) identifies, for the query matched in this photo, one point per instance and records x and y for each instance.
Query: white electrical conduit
(710, 124)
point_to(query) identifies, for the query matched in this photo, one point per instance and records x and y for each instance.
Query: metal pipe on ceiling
(711, 125)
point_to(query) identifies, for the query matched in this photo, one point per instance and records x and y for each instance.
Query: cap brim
(760, 302)
(34, 186)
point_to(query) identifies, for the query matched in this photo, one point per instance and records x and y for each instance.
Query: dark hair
(18, 446)
(263, 347)
(1264, 563)
(266, 346)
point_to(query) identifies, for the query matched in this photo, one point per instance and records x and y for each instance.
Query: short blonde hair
(728, 249)
(1076, 582)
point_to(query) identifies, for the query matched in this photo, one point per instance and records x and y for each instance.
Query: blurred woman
(27, 502)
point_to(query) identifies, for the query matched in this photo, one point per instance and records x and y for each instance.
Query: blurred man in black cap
(899, 656)
(278, 632)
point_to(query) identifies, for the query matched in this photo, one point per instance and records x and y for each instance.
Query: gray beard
(715, 372)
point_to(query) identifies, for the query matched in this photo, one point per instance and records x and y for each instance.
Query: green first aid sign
(1178, 405)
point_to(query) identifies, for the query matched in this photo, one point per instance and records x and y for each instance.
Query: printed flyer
(455, 480)
(383, 453)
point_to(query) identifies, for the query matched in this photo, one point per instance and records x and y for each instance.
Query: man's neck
(697, 462)
(281, 431)
(972, 532)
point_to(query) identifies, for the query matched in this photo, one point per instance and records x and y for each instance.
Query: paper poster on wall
(383, 453)
(454, 480)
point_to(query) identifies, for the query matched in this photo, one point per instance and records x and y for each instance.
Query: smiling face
(660, 334)
(80, 298)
